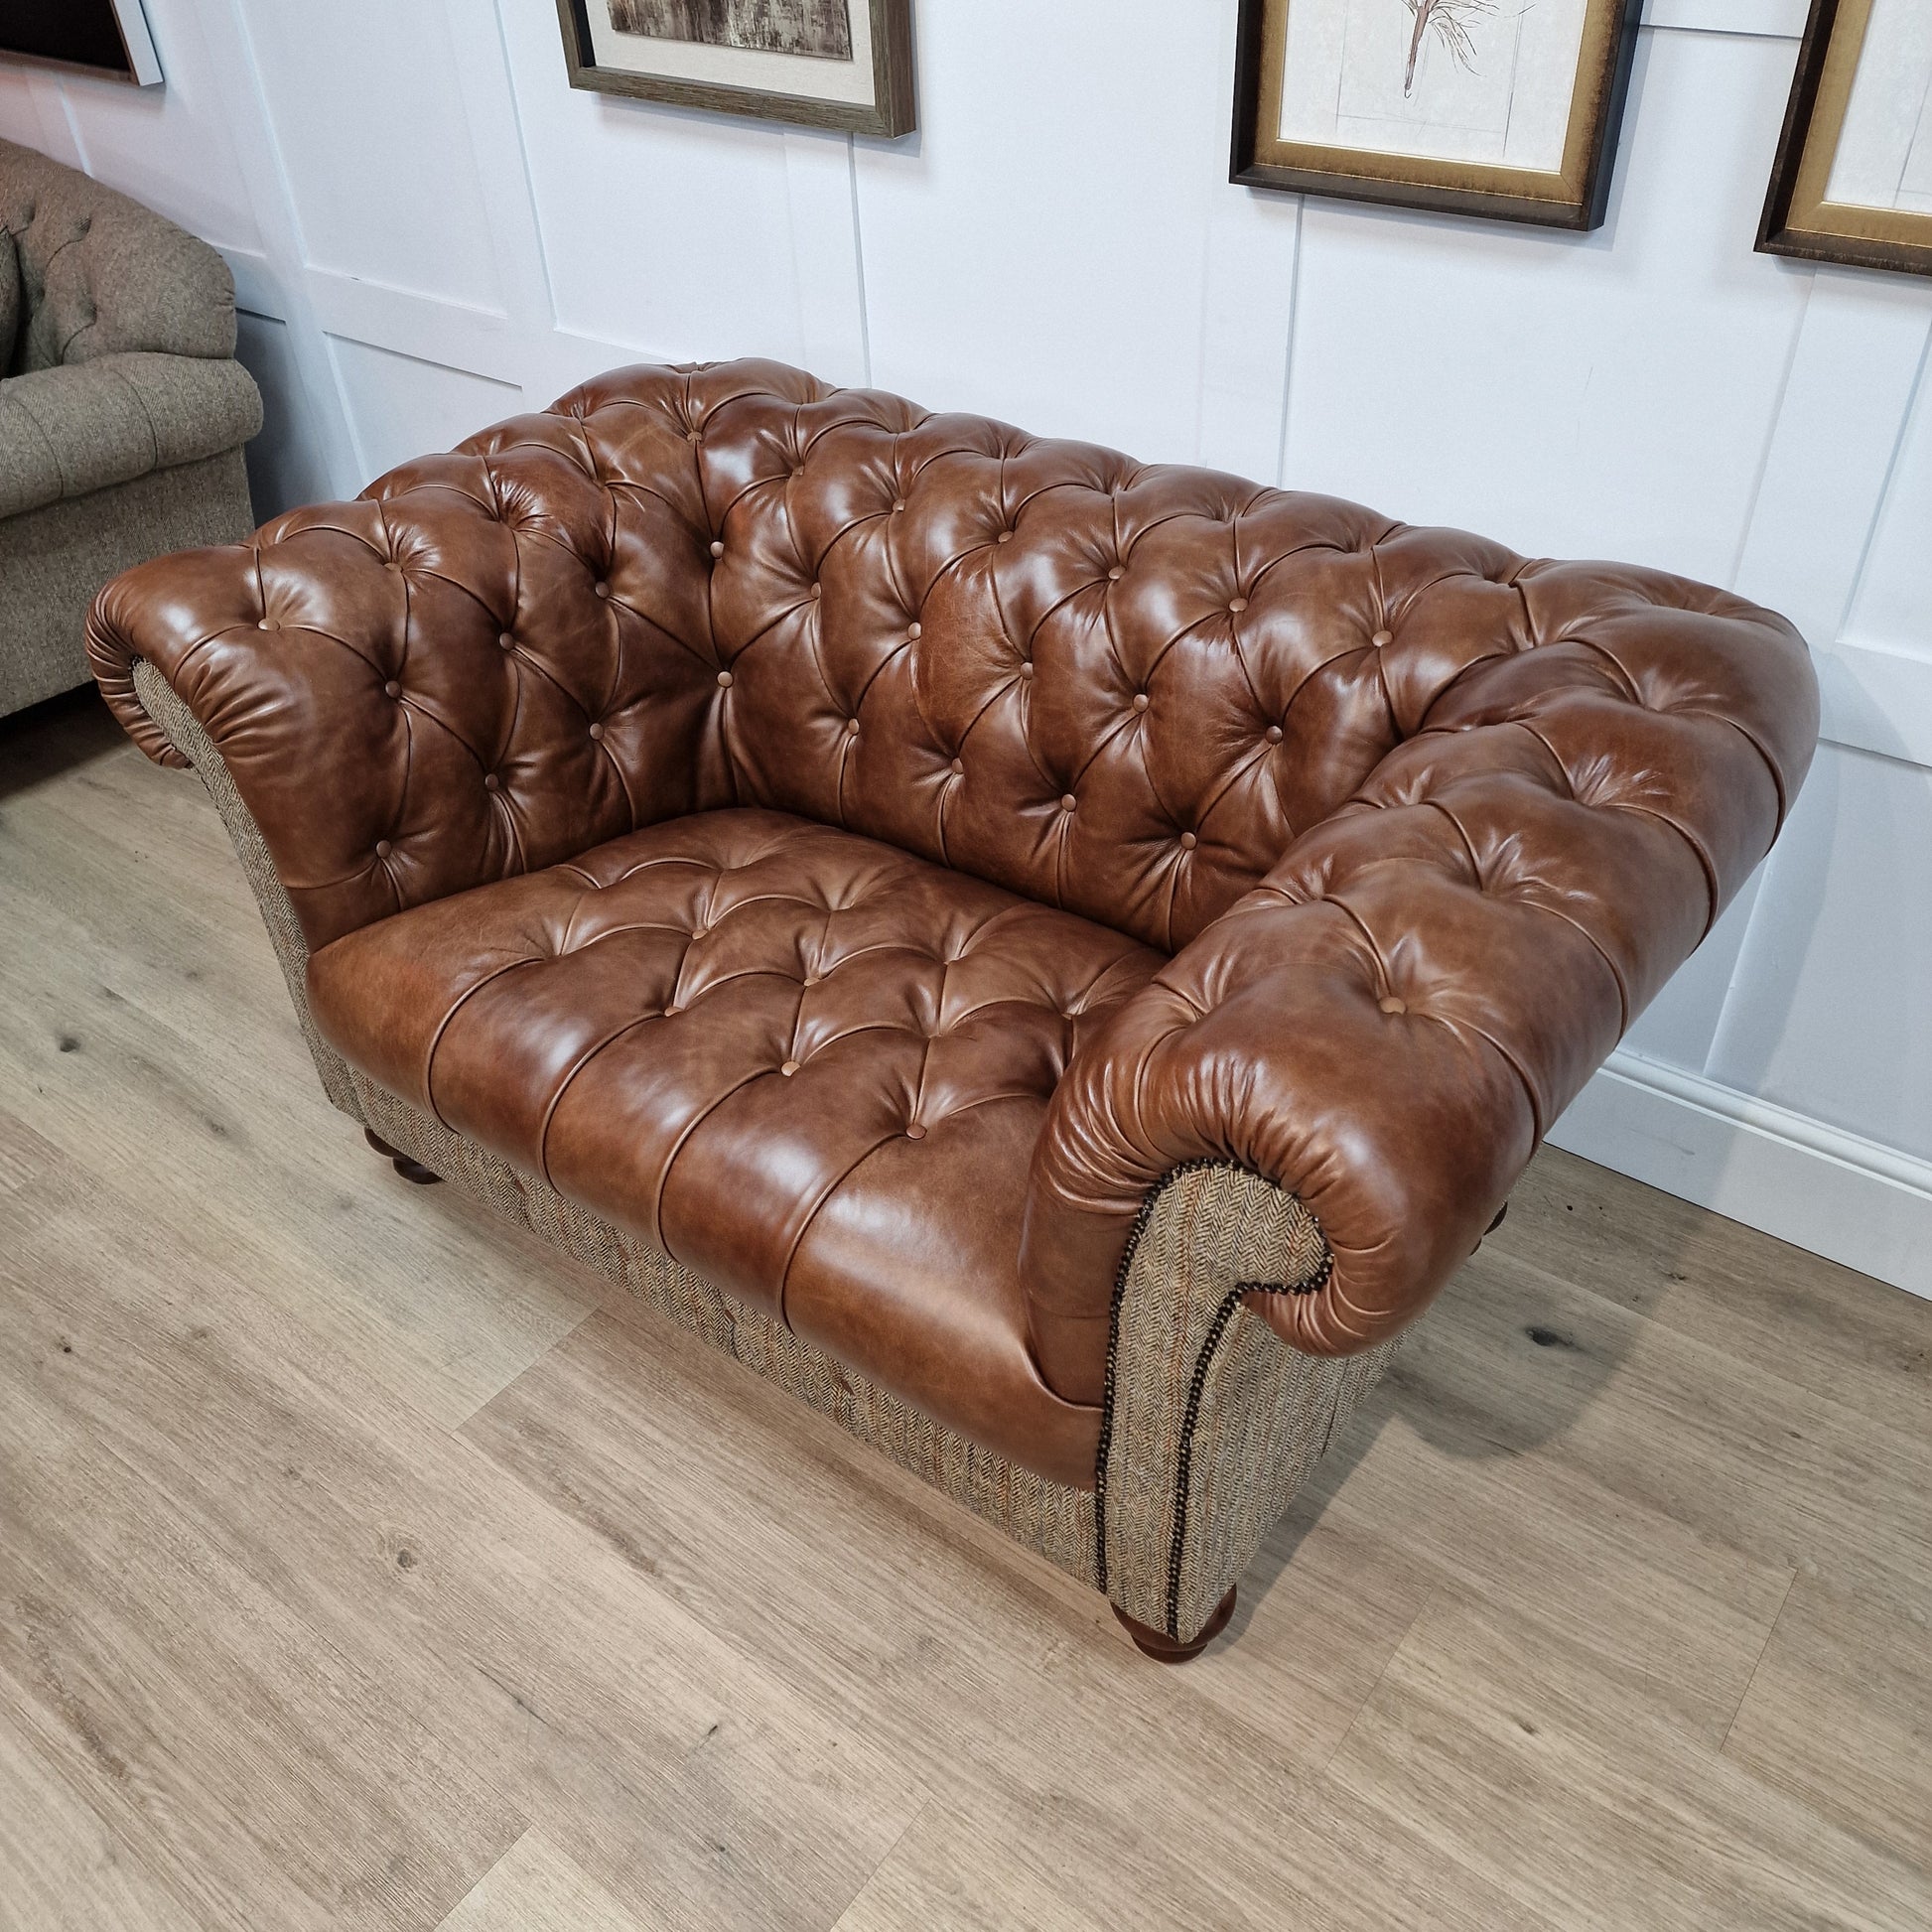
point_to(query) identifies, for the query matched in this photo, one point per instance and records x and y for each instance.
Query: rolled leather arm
(469, 672)
(1387, 1025)
(86, 426)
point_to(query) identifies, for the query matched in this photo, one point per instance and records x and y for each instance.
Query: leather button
(812, 979)
(957, 768)
(1005, 536)
(1026, 667)
(508, 641)
(1382, 637)
(1273, 734)
(717, 549)
(693, 436)
(1068, 801)
(899, 506)
(597, 734)
(852, 728)
(1188, 841)
(789, 1068)
(1140, 701)
(915, 631)
(725, 680)
(672, 1011)
(268, 623)
(392, 689)
(1239, 604)
(818, 590)
(393, 567)
(916, 1132)
(492, 782)
(1115, 575)
(1391, 1004)
(602, 589)
(383, 847)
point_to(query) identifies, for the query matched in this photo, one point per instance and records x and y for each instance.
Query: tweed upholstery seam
(1197, 1388)
(1150, 1201)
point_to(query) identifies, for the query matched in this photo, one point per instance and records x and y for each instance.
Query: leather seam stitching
(565, 1084)
(677, 1148)
(830, 1189)
(443, 1024)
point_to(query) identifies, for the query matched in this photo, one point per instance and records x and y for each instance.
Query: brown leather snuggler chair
(1055, 961)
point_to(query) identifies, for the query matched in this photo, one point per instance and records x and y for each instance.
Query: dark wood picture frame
(1798, 222)
(891, 111)
(1574, 197)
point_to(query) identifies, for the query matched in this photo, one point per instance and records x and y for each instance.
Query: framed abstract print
(839, 64)
(1508, 108)
(1853, 181)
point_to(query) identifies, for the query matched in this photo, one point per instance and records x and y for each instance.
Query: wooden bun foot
(410, 1170)
(1165, 1649)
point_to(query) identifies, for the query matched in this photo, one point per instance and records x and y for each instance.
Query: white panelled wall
(430, 231)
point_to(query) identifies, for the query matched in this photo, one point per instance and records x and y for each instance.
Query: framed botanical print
(841, 64)
(1495, 107)
(1853, 180)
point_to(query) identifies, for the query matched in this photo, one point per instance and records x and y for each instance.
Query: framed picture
(1499, 108)
(1853, 181)
(106, 38)
(843, 63)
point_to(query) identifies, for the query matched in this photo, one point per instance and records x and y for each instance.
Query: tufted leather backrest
(1118, 689)
(102, 275)
(1101, 685)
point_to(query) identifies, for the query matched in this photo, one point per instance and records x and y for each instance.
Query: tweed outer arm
(1212, 1421)
(188, 746)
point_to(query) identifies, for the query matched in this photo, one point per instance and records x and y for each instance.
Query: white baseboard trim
(1836, 1194)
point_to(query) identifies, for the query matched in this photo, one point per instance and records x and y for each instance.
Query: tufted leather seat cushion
(773, 1048)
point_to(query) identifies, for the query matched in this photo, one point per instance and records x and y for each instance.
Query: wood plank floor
(362, 1564)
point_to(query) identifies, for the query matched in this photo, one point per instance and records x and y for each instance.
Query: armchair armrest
(86, 426)
(475, 670)
(1387, 1025)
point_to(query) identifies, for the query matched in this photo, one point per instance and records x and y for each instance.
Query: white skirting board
(1833, 1192)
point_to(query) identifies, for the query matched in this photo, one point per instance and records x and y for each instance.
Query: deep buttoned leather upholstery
(1422, 825)
(1390, 1022)
(808, 1065)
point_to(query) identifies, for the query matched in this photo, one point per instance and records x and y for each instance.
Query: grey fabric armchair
(123, 412)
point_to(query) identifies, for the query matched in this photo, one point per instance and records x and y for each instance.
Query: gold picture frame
(694, 71)
(1571, 190)
(1799, 218)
